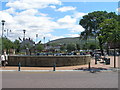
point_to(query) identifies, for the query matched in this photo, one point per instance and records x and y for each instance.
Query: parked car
(57, 54)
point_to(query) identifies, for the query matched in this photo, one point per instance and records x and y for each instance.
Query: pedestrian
(2, 59)
(91, 53)
(5, 63)
(0, 63)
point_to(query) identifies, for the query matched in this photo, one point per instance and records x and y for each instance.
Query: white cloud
(72, 35)
(42, 14)
(54, 7)
(65, 9)
(28, 12)
(78, 14)
(11, 11)
(35, 22)
(76, 29)
(53, 37)
(25, 12)
(67, 19)
(69, 23)
(35, 4)
(118, 9)
(6, 16)
(31, 23)
(48, 36)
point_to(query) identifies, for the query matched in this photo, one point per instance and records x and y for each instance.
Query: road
(59, 80)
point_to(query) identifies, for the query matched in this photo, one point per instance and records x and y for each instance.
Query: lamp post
(24, 34)
(115, 50)
(3, 23)
(44, 41)
(36, 37)
(7, 32)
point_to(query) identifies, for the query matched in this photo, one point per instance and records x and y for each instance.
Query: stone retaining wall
(48, 61)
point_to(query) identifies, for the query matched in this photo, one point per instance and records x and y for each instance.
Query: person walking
(5, 63)
(4, 59)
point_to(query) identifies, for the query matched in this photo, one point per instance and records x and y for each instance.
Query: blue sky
(51, 20)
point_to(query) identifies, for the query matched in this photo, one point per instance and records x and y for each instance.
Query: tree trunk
(107, 49)
(101, 47)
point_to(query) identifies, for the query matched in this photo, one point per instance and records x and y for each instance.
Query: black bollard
(89, 67)
(19, 65)
(54, 67)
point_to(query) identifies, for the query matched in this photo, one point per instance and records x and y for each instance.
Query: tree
(93, 45)
(39, 47)
(62, 48)
(91, 23)
(77, 46)
(71, 47)
(110, 31)
(7, 44)
(17, 45)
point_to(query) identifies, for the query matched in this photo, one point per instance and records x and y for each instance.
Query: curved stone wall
(48, 61)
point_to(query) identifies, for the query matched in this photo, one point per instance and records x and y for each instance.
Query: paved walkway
(59, 80)
(79, 67)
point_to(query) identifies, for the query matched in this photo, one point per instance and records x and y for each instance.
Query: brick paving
(98, 65)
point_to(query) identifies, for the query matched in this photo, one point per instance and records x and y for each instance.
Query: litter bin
(107, 61)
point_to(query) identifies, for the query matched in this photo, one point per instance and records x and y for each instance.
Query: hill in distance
(70, 40)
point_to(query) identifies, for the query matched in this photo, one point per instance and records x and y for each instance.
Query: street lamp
(7, 31)
(24, 34)
(44, 41)
(3, 23)
(36, 37)
(115, 50)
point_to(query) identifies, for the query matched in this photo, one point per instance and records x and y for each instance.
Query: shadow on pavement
(92, 69)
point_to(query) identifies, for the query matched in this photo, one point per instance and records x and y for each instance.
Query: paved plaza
(59, 80)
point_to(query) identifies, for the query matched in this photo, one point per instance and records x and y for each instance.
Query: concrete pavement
(59, 80)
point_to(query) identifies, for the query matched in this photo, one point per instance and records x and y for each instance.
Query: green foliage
(7, 44)
(91, 22)
(17, 45)
(90, 46)
(62, 48)
(71, 47)
(78, 46)
(109, 30)
(39, 47)
(100, 24)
